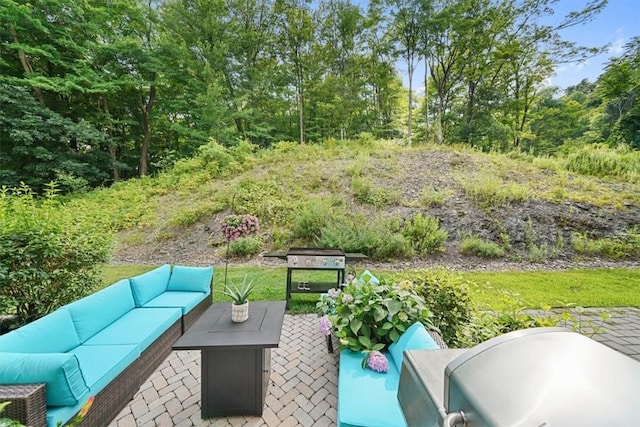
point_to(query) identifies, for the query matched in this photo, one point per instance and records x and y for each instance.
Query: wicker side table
(28, 404)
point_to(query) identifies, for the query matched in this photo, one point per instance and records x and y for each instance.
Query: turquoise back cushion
(149, 285)
(195, 279)
(97, 311)
(53, 333)
(367, 276)
(414, 338)
(60, 371)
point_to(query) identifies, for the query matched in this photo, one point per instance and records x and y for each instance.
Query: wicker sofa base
(30, 408)
(195, 313)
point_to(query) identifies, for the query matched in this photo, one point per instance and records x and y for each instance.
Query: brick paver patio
(302, 388)
(304, 377)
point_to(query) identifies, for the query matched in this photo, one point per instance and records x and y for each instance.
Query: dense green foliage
(474, 245)
(447, 295)
(48, 256)
(370, 316)
(93, 92)
(620, 246)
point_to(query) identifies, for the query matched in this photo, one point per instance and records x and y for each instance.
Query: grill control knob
(324, 262)
(294, 260)
(337, 262)
(308, 261)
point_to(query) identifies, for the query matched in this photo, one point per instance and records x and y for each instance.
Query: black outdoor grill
(328, 259)
(540, 377)
(322, 259)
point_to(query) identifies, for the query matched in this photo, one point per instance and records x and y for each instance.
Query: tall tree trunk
(26, 65)
(410, 112)
(439, 108)
(112, 147)
(146, 127)
(426, 99)
(300, 93)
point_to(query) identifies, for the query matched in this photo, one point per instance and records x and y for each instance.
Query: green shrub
(245, 247)
(424, 234)
(622, 245)
(48, 255)
(369, 316)
(602, 160)
(310, 219)
(490, 191)
(267, 199)
(377, 240)
(365, 192)
(446, 295)
(506, 314)
(431, 196)
(473, 245)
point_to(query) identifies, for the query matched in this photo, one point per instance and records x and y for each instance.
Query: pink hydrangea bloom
(333, 293)
(378, 362)
(325, 326)
(347, 298)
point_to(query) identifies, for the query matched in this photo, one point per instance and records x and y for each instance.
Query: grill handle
(454, 419)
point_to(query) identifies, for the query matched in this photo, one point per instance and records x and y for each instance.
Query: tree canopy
(96, 91)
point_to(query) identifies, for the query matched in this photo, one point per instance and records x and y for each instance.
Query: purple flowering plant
(367, 317)
(375, 361)
(237, 226)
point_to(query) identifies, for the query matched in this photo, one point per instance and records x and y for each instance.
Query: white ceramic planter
(239, 313)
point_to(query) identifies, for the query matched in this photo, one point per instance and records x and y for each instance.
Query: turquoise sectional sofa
(104, 345)
(368, 398)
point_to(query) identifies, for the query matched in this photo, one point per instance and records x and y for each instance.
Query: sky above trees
(618, 23)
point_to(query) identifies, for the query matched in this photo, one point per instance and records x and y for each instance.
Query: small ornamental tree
(48, 255)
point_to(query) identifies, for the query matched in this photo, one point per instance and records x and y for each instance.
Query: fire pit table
(321, 259)
(235, 357)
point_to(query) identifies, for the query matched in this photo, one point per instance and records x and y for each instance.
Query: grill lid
(543, 377)
(316, 251)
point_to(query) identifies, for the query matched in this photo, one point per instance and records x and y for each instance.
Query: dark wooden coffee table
(235, 357)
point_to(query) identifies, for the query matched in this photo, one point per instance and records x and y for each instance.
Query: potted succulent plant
(239, 299)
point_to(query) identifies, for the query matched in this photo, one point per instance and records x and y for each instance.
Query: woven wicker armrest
(28, 403)
(438, 339)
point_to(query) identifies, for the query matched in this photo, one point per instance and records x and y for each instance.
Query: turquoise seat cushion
(368, 276)
(140, 326)
(60, 415)
(60, 371)
(183, 300)
(149, 285)
(365, 397)
(195, 279)
(100, 364)
(414, 338)
(93, 313)
(53, 333)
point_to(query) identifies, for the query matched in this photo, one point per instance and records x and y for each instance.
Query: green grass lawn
(584, 287)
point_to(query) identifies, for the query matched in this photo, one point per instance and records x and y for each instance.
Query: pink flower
(325, 326)
(347, 298)
(378, 362)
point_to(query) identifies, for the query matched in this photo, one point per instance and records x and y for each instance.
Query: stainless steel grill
(541, 377)
(325, 259)
(316, 258)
